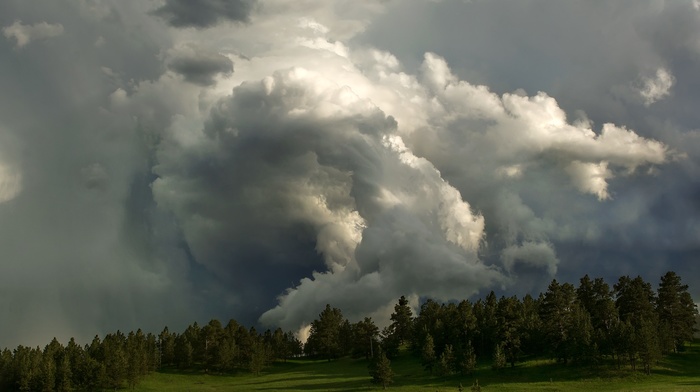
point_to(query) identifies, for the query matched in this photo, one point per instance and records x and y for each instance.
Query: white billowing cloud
(520, 131)
(524, 128)
(513, 141)
(23, 34)
(455, 216)
(590, 177)
(657, 87)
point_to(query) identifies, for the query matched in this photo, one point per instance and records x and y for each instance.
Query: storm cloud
(199, 66)
(204, 13)
(359, 152)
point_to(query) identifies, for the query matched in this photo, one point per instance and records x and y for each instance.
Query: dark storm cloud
(70, 265)
(199, 66)
(143, 183)
(204, 13)
(296, 162)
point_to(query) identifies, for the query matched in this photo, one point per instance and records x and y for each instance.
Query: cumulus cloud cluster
(260, 170)
(297, 153)
(332, 158)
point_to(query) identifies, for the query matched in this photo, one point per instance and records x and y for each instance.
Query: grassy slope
(678, 372)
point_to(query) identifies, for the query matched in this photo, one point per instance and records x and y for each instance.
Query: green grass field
(679, 372)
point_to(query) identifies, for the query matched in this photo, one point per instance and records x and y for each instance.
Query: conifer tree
(401, 322)
(486, 324)
(63, 374)
(115, 359)
(499, 358)
(6, 371)
(211, 335)
(380, 370)
(509, 317)
(648, 345)
(166, 343)
(467, 359)
(428, 357)
(446, 364)
(258, 357)
(555, 312)
(324, 337)
(676, 311)
(364, 335)
(184, 352)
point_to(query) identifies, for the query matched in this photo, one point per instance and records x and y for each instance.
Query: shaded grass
(677, 372)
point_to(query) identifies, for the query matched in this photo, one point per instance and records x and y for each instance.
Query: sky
(171, 161)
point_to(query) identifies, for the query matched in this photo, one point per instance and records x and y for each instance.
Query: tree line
(628, 324)
(122, 360)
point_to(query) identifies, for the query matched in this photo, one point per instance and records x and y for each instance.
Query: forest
(629, 325)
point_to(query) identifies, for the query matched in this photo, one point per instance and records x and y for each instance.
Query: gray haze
(163, 162)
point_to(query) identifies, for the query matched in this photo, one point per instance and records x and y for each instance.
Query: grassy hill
(679, 372)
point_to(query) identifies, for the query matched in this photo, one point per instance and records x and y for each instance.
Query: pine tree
(183, 352)
(676, 311)
(499, 358)
(446, 363)
(486, 324)
(135, 357)
(26, 367)
(579, 334)
(346, 338)
(690, 314)
(364, 341)
(63, 374)
(115, 359)
(258, 357)
(279, 345)
(211, 335)
(635, 300)
(47, 377)
(226, 353)
(509, 316)
(428, 322)
(152, 352)
(380, 370)
(428, 357)
(467, 361)
(648, 345)
(555, 312)
(324, 337)
(532, 336)
(166, 343)
(402, 321)
(6, 371)
(74, 356)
